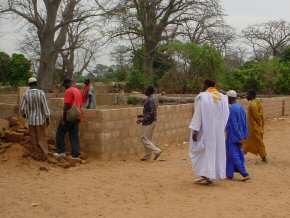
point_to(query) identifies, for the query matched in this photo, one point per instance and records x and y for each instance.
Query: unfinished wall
(113, 133)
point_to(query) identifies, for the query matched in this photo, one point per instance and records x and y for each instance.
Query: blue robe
(236, 132)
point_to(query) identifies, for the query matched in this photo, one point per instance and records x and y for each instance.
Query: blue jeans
(73, 129)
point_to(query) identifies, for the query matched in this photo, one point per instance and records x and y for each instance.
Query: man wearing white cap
(34, 108)
(236, 132)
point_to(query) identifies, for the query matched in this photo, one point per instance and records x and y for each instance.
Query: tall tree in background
(79, 49)
(4, 67)
(207, 26)
(50, 19)
(269, 38)
(149, 21)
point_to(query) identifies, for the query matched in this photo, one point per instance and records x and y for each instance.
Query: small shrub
(133, 100)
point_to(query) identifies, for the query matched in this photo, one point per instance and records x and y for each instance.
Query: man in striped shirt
(34, 108)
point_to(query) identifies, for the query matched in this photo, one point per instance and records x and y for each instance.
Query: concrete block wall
(7, 110)
(110, 134)
(8, 98)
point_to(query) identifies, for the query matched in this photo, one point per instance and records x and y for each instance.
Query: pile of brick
(14, 130)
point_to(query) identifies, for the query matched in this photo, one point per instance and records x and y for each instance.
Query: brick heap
(15, 130)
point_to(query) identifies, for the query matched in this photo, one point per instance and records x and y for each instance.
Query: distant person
(254, 144)
(70, 121)
(236, 132)
(34, 108)
(89, 98)
(207, 141)
(148, 120)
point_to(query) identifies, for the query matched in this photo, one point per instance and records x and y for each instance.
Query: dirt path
(162, 189)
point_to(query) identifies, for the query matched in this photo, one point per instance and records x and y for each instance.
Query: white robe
(208, 154)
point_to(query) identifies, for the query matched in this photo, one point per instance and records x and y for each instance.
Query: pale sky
(240, 13)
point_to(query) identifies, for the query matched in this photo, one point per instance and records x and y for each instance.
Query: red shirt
(73, 96)
(86, 89)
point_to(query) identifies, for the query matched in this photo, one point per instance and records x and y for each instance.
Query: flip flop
(199, 180)
(246, 178)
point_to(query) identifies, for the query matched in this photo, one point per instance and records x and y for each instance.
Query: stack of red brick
(15, 130)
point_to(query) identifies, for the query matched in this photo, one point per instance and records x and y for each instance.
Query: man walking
(254, 144)
(70, 121)
(148, 120)
(236, 132)
(88, 95)
(207, 141)
(34, 108)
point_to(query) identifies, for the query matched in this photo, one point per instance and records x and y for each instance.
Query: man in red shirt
(72, 96)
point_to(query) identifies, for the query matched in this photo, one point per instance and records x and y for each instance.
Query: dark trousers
(73, 129)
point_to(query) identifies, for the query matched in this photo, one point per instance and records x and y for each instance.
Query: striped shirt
(34, 107)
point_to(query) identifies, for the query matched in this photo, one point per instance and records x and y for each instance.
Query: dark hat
(67, 82)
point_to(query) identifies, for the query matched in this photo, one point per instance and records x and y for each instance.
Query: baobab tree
(50, 19)
(151, 22)
(270, 37)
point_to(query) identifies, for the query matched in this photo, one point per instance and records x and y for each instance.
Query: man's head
(251, 95)
(208, 84)
(87, 81)
(149, 91)
(67, 83)
(232, 95)
(32, 82)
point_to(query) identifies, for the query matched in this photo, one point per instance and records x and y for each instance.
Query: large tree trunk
(69, 70)
(46, 70)
(70, 65)
(148, 59)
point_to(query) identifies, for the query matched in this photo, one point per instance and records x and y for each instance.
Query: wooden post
(20, 92)
(283, 107)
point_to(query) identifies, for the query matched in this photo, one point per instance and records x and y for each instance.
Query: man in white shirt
(207, 141)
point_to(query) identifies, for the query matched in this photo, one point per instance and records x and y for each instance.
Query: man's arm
(45, 108)
(22, 108)
(195, 124)
(90, 101)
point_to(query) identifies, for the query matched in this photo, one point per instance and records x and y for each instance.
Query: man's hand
(47, 121)
(139, 119)
(194, 136)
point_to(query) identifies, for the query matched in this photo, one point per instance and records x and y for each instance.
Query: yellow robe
(254, 144)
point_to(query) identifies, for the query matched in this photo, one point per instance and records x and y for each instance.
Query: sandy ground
(154, 189)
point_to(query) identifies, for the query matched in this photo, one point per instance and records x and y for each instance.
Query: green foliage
(14, 70)
(285, 55)
(79, 78)
(204, 61)
(282, 81)
(162, 63)
(133, 100)
(4, 67)
(136, 80)
(19, 70)
(270, 76)
(195, 63)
